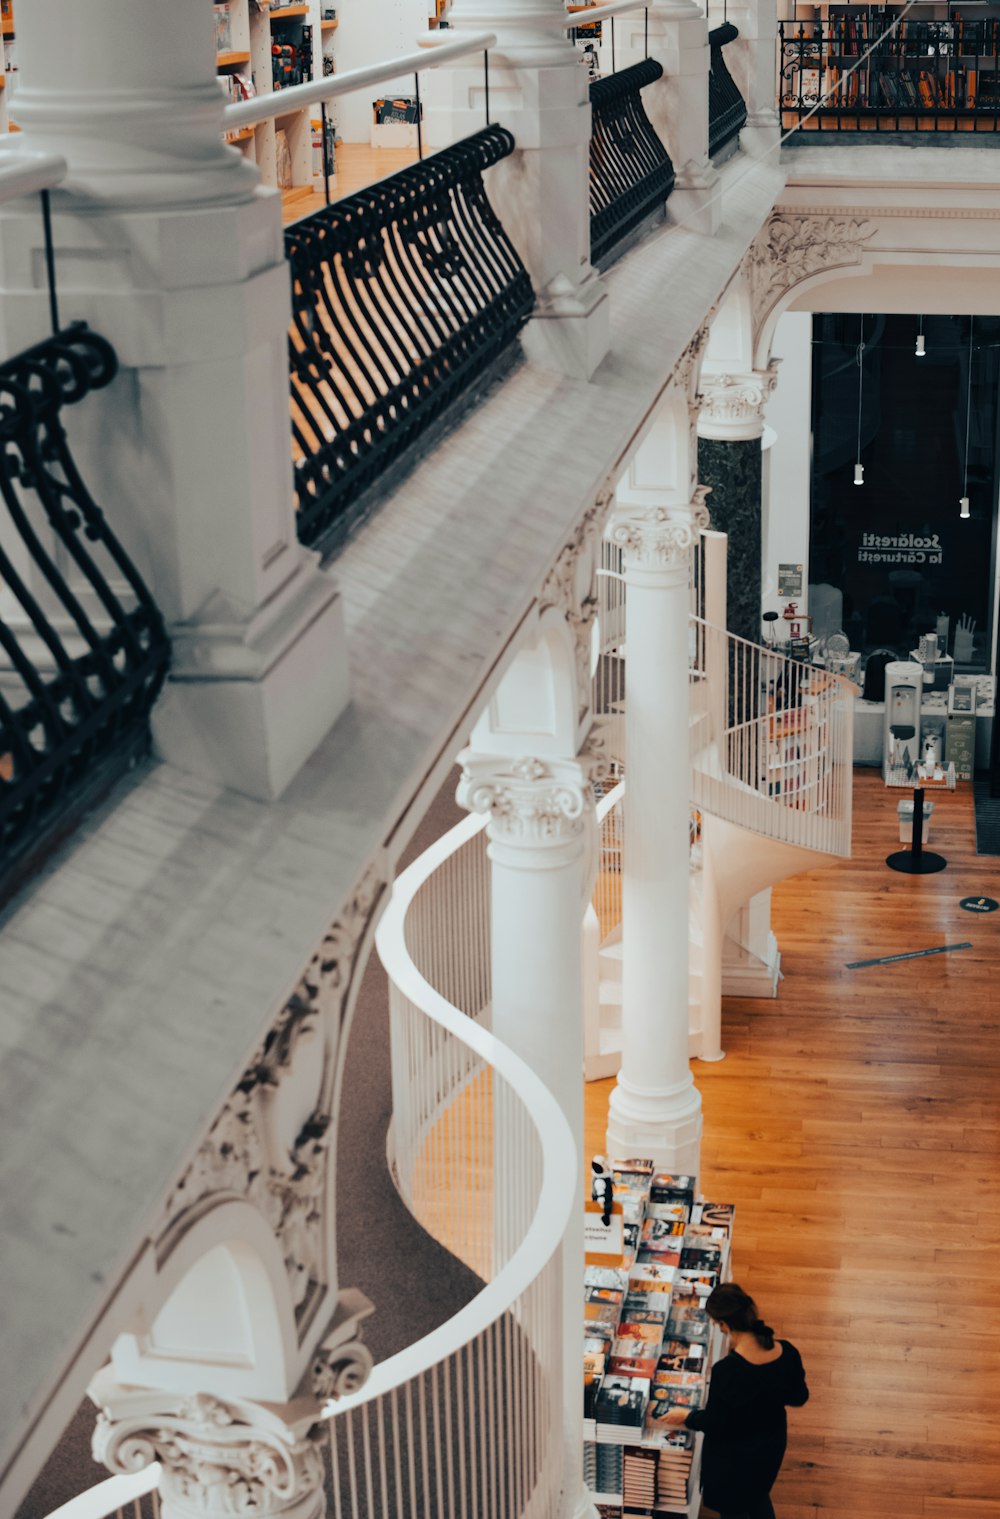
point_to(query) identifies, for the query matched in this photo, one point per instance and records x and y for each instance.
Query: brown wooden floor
(358, 166)
(854, 1122)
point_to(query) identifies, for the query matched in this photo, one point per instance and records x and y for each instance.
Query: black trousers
(760, 1508)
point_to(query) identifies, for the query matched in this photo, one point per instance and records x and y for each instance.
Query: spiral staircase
(771, 749)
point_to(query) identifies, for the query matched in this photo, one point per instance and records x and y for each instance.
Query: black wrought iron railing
(727, 111)
(403, 296)
(83, 648)
(630, 170)
(861, 74)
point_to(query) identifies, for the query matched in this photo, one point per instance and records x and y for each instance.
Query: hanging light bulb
(921, 350)
(859, 469)
(963, 503)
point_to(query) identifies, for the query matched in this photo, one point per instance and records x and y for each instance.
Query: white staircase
(771, 746)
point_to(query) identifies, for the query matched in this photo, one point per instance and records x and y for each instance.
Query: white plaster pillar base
(216, 1457)
(166, 248)
(541, 833)
(655, 1108)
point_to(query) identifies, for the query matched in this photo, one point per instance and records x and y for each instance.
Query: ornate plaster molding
(571, 587)
(685, 370)
(732, 405)
(528, 800)
(244, 1154)
(660, 538)
(791, 246)
(217, 1457)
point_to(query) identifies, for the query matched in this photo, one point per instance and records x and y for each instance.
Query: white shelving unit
(254, 28)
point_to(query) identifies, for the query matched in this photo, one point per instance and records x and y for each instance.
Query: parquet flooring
(854, 1122)
(358, 166)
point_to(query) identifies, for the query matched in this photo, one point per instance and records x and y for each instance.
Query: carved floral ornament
(529, 800)
(658, 538)
(243, 1154)
(217, 1457)
(571, 588)
(732, 405)
(789, 248)
(687, 364)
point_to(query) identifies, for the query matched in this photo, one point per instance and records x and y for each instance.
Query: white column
(677, 104)
(216, 1456)
(542, 847)
(539, 91)
(655, 1108)
(165, 246)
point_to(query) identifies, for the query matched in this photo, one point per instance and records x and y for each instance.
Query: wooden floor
(358, 166)
(854, 1122)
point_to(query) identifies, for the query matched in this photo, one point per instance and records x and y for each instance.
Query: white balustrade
(133, 1496)
(463, 1423)
(774, 745)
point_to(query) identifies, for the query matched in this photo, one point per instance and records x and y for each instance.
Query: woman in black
(744, 1419)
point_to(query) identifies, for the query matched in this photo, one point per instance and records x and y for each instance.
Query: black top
(745, 1426)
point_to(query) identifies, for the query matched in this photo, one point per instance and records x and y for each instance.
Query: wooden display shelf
(243, 135)
(230, 60)
(288, 12)
(328, 26)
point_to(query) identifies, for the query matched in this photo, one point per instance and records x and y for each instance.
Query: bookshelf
(262, 49)
(667, 1254)
(938, 69)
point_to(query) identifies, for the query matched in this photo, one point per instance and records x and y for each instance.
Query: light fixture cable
(859, 469)
(964, 510)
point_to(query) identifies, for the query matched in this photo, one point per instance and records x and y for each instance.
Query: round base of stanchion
(923, 864)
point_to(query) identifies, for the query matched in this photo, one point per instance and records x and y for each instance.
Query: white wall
(785, 516)
(369, 31)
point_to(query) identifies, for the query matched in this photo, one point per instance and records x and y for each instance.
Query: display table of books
(648, 1343)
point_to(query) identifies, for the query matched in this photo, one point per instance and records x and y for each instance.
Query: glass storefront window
(896, 547)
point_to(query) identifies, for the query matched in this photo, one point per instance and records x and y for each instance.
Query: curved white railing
(131, 1496)
(463, 1423)
(772, 741)
(607, 895)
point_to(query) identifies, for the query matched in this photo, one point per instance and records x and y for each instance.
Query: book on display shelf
(666, 1187)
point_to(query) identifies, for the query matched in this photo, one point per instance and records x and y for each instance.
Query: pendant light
(859, 469)
(921, 350)
(963, 504)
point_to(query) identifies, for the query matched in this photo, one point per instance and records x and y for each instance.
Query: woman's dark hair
(730, 1305)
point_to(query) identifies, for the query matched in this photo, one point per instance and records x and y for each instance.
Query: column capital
(530, 802)
(732, 405)
(217, 1457)
(658, 540)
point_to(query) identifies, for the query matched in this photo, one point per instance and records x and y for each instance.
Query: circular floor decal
(979, 904)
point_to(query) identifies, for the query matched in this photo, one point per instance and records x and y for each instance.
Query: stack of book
(673, 1469)
(639, 1480)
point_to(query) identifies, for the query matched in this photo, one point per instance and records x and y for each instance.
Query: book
(666, 1186)
(682, 1355)
(622, 1400)
(632, 1366)
(720, 1214)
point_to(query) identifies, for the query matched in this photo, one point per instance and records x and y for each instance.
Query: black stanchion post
(916, 861)
(325, 150)
(917, 839)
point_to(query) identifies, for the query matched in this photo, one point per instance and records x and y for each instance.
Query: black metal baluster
(420, 125)
(413, 286)
(326, 160)
(50, 260)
